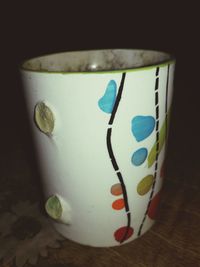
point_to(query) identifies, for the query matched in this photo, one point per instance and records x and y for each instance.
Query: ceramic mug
(100, 122)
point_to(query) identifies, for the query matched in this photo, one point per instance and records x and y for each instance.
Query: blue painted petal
(139, 156)
(106, 103)
(142, 127)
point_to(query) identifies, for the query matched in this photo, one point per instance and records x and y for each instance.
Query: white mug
(100, 122)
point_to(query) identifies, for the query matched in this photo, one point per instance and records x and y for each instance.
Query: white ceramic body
(75, 161)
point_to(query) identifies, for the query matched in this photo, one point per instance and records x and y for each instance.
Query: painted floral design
(142, 127)
(109, 104)
(26, 234)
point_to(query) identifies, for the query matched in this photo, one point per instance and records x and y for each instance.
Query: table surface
(27, 238)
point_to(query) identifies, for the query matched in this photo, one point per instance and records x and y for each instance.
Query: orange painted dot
(118, 204)
(116, 190)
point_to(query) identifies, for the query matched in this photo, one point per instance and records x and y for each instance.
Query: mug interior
(96, 60)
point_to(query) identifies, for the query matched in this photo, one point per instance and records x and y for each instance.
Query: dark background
(30, 30)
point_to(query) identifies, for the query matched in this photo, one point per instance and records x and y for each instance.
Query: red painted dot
(153, 208)
(121, 232)
(118, 204)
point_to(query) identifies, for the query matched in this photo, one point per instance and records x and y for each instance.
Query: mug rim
(170, 60)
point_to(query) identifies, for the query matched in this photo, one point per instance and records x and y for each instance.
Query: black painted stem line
(112, 157)
(110, 150)
(123, 190)
(157, 149)
(118, 98)
(166, 103)
(128, 226)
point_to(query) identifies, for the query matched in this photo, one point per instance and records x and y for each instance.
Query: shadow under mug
(100, 122)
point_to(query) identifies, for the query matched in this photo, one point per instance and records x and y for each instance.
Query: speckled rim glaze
(169, 59)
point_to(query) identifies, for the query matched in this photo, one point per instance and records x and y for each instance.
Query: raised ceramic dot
(44, 118)
(123, 233)
(106, 103)
(118, 204)
(153, 208)
(142, 127)
(145, 185)
(139, 156)
(53, 207)
(116, 189)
